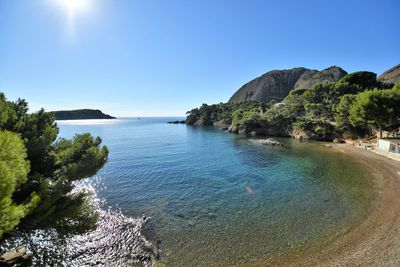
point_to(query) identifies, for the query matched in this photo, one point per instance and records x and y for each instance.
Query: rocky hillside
(312, 77)
(277, 84)
(390, 76)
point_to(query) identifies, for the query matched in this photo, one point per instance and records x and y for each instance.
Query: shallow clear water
(215, 198)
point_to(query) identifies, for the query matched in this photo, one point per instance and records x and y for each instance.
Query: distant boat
(138, 118)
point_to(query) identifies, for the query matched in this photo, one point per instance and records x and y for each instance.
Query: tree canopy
(14, 170)
(37, 171)
(377, 108)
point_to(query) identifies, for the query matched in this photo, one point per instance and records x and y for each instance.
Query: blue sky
(161, 58)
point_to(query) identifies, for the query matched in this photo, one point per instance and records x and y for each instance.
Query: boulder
(199, 123)
(233, 129)
(16, 257)
(339, 141)
(300, 134)
(221, 125)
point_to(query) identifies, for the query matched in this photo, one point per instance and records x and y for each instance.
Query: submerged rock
(16, 257)
(268, 141)
(248, 189)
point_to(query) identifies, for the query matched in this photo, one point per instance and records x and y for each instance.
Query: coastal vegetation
(357, 105)
(37, 170)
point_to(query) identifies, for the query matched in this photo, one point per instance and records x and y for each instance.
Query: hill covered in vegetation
(356, 105)
(80, 114)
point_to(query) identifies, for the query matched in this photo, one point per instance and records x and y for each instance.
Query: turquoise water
(214, 198)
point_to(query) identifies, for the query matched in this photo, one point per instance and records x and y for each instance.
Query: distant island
(80, 114)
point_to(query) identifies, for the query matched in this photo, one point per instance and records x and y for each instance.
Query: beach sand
(375, 241)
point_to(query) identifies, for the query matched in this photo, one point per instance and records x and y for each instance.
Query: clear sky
(164, 57)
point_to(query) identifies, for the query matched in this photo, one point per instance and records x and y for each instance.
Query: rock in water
(268, 141)
(248, 189)
(390, 76)
(16, 257)
(277, 84)
(177, 122)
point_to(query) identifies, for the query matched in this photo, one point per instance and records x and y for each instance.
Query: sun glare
(73, 6)
(73, 9)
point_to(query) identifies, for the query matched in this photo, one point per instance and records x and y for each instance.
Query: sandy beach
(376, 240)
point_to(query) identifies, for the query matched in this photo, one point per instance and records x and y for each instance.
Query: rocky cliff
(277, 84)
(390, 76)
(312, 77)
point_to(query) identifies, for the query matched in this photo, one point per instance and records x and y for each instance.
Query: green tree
(343, 113)
(14, 169)
(8, 115)
(396, 87)
(252, 119)
(364, 79)
(54, 165)
(237, 117)
(376, 108)
(80, 157)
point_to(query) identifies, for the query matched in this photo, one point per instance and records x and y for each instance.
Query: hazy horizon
(161, 59)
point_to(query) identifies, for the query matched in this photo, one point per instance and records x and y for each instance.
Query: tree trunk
(380, 131)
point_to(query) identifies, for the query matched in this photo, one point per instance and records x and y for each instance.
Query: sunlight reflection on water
(115, 241)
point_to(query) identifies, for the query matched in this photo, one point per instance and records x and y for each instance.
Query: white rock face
(277, 84)
(391, 75)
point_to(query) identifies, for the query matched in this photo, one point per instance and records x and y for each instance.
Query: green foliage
(80, 157)
(208, 114)
(396, 87)
(321, 100)
(14, 169)
(8, 115)
(322, 130)
(237, 117)
(249, 120)
(343, 113)
(364, 79)
(44, 191)
(377, 108)
(39, 132)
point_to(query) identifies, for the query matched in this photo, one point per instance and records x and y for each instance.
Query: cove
(214, 198)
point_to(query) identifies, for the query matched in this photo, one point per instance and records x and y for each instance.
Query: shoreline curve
(375, 241)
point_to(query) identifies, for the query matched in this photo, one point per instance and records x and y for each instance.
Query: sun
(73, 10)
(74, 6)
